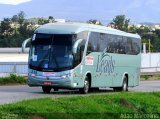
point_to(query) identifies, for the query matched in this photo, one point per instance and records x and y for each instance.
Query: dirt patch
(35, 117)
(125, 102)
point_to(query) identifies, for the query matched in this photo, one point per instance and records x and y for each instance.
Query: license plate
(47, 83)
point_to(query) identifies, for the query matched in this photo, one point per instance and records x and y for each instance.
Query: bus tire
(86, 87)
(94, 89)
(55, 89)
(46, 89)
(124, 85)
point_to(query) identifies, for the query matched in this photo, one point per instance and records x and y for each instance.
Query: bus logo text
(105, 64)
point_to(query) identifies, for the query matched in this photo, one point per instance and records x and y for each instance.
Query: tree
(51, 19)
(14, 30)
(5, 25)
(15, 18)
(157, 31)
(21, 17)
(94, 21)
(120, 22)
(42, 21)
(132, 29)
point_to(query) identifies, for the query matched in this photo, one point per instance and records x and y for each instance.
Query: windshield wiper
(54, 60)
(43, 59)
(50, 52)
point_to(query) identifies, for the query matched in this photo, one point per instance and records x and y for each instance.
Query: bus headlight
(66, 76)
(32, 74)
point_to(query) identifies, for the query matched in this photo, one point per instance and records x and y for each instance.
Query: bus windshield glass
(51, 52)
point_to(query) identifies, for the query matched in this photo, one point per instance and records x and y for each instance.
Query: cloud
(13, 2)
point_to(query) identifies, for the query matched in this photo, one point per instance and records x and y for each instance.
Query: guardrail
(20, 68)
(150, 71)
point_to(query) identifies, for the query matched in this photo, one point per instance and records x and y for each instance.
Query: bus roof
(73, 28)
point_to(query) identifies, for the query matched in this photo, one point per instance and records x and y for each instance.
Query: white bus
(83, 56)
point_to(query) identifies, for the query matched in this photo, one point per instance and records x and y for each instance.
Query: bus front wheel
(46, 89)
(86, 87)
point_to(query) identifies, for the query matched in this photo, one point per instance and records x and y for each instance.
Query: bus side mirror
(75, 46)
(24, 44)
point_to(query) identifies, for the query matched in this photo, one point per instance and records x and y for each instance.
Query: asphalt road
(12, 94)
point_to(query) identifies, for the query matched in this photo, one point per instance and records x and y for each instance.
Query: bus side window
(90, 48)
(129, 46)
(111, 44)
(122, 43)
(82, 36)
(133, 46)
(93, 42)
(102, 41)
(136, 46)
(79, 54)
(81, 48)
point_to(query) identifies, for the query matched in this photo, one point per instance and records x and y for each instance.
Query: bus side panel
(129, 65)
(78, 76)
(101, 74)
(89, 66)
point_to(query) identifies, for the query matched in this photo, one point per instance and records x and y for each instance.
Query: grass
(150, 77)
(115, 105)
(12, 79)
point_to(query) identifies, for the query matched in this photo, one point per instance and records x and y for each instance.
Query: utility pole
(149, 46)
(149, 52)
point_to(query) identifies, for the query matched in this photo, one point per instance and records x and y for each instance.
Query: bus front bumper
(51, 82)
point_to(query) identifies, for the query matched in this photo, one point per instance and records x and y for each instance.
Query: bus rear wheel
(94, 90)
(86, 87)
(46, 89)
(124, 85)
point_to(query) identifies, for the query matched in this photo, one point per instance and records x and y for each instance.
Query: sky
(137, 11)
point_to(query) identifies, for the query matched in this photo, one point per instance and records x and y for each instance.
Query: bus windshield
(51, 52)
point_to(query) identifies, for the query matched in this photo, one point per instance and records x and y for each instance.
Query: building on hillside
(157, 26)
(60, 20)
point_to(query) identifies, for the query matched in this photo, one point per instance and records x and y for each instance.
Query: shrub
(13, 79)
